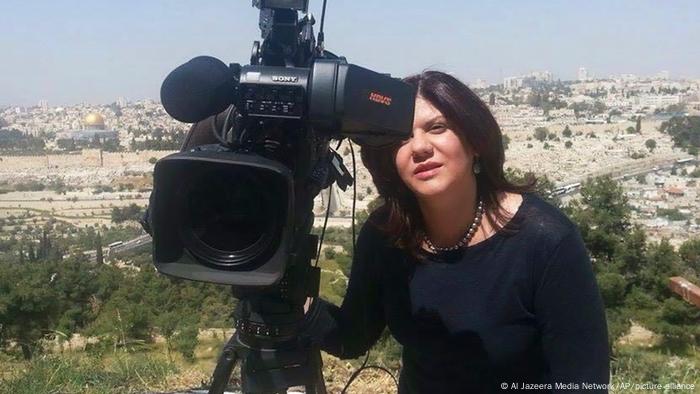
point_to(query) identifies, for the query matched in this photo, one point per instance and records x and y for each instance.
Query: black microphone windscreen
(202, 87)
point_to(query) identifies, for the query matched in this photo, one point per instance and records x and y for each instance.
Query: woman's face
(434, 160)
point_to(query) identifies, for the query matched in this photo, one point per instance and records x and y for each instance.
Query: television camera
(238, 211)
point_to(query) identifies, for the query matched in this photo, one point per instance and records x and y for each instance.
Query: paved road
(137, 242)
(636, 167)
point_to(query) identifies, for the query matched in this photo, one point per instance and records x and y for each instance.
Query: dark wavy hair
(401, 218)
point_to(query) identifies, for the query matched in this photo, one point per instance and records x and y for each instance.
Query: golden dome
(94, 121)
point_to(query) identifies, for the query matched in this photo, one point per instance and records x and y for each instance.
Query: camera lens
(230, 217)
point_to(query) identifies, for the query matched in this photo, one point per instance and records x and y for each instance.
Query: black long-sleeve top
(519, 308)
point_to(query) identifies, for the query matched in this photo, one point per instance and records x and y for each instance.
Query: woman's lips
(427, 173)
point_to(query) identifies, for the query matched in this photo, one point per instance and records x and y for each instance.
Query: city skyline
(70, 52)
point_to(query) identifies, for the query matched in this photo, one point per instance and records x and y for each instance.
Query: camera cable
(222, 134)
(321, 37)
(325, 221)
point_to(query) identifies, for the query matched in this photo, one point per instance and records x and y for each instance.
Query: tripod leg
(224, 367)
(319, 386)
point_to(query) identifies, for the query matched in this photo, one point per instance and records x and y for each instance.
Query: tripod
(273, 357)
(263, 370)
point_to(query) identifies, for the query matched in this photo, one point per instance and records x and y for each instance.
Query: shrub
(618, 324)
(31, 186)
(638, 365)
(80, 374)
(567, 132)
(612, 288)
(329, 253)
(185, 341)
(541, 133)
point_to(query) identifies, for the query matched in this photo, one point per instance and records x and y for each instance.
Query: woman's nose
(420, 145)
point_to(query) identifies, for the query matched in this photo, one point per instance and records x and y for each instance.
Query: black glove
(318, 323)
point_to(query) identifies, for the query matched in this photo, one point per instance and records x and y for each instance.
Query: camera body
(337, 98)
(240, 212)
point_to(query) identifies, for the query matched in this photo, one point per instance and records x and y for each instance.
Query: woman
(485, 285)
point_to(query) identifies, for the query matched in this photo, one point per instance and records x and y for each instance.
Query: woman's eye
(437, 128)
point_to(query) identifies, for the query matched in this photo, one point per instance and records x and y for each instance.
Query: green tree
(31, 253)
(661, 263)
(29, 305)
(99, 257)
(506, 141)
(543, 186)
(684, 130)
(167, 323)
(362, 216)
(66, 144)
(329, 253)
(44, 244)
(215, 310)
(566, 132)
(568, 144)
(630, 254)
(678, 324)
(128, 313)
(76, 289)
(612, 288)
(185, 340)
(602, 214)
(111, 145)
(650, 144)
(541, 133)
(599, 107)
(689, 252)
(131, 212)
(579, 108)
(671, 214)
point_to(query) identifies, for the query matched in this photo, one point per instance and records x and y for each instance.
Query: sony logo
(283, 78)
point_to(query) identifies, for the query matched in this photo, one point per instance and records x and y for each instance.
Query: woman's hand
(307, 304)
(317, 322)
